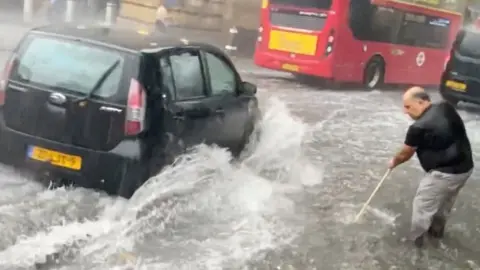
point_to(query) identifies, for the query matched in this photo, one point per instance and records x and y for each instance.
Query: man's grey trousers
(434, 200)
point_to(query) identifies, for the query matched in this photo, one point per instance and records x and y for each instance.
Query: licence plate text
(55, 158)
(290, 67)
(293, 42)
(456, 86)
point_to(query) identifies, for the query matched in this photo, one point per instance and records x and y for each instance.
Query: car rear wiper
(100, 81)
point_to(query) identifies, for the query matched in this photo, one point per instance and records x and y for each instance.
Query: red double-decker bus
(371, 42)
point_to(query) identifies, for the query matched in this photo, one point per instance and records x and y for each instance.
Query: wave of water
(205, 212)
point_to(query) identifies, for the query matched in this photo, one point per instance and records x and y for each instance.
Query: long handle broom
(371, 196)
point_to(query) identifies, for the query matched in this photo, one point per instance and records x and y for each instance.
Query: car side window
(187, 75)
(166, 79)
(222, 77)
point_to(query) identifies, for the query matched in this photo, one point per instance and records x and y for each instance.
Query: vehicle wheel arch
(165, 153)
(378, 57)
(379, 60)
(131, 175)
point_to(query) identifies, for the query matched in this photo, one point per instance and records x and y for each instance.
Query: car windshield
(470, 45)
(68, 65)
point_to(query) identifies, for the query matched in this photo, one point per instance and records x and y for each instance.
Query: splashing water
(205, 212)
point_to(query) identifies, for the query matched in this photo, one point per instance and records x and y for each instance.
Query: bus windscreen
(318, 4)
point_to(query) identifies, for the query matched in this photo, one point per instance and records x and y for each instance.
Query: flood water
(288, 203)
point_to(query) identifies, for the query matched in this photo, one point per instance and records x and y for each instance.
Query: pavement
(13, 25)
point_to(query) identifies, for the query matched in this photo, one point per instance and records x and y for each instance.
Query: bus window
(424, 31)
(384, 24)
(373, 23)
(314, 21)
(360, 10)
(320, 4)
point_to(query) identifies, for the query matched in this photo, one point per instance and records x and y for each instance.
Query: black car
(107, 108)
(461, 77)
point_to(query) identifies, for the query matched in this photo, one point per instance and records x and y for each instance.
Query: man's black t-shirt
(440, 140)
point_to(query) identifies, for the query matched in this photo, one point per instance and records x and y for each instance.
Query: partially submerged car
(108, 108)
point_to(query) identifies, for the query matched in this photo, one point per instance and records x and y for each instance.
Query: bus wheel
(374, 74)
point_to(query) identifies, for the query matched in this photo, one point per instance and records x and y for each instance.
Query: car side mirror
(248, 88)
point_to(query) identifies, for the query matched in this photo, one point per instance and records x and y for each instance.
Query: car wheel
(374, 74)
(165, 153)
(237, 150)
(132, 175)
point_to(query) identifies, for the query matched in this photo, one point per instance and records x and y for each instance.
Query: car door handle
(220, 111)
(179, 116)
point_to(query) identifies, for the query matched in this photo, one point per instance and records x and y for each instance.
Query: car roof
(470, 29)
(129, 39)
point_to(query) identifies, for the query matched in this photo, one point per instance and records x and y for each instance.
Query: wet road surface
(289, 203)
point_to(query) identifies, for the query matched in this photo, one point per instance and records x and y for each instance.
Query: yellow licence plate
(290, 67)
(55, 158)
(293, 42)
(456, 86)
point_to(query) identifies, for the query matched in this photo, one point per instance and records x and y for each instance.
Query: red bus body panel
(316, 65)
(403, 64)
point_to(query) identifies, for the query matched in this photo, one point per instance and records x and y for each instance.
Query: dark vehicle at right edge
(461, 77)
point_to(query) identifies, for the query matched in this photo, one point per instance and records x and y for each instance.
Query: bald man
(439, 138)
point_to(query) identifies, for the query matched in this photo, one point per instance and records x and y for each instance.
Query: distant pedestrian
(56, 10)
(161, 19)
(439, 138)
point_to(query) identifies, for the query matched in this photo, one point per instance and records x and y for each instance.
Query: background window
(319, 4)
(222, 77)
(384, 24)
(424, 31)
(359, 18)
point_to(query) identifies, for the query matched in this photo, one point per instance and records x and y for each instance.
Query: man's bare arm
(404, 155)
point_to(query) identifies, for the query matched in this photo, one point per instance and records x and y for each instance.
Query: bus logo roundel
(420, 59)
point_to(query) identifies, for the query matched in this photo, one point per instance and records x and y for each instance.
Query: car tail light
(136, 107)
(4, 79)
(330, 41)
(446, 62)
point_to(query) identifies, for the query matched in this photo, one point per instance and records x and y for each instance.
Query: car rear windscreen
(469, 46)
(68, 65)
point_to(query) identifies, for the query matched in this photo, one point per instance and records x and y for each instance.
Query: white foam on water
(22, 185)
(348, 213)
(205, 212)
(30, 250)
